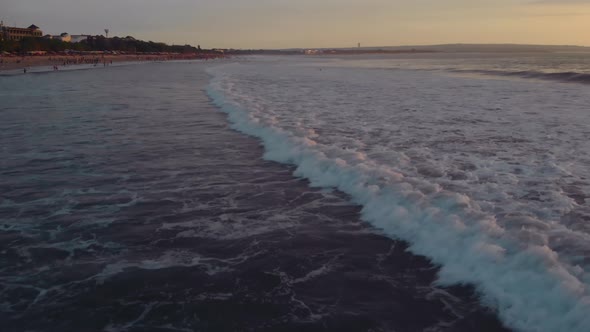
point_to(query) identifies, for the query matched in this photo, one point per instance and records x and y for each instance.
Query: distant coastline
(410, 49)
(19, 52)
(100, 50)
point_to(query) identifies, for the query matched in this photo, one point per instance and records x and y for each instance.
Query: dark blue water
(127, 204)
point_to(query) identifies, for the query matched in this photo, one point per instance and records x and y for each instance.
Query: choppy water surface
(560, 67)
(487, 175)
(128, 204)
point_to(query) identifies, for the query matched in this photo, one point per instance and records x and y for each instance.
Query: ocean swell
(567, 77)
(526, 283)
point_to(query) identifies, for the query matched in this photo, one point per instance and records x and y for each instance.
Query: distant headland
(411, 49)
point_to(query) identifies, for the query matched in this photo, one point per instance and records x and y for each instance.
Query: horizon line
(410, 45)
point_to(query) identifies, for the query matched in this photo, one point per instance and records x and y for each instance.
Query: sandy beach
(11, 64)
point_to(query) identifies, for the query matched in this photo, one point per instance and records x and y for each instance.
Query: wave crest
(568, 77)
(525, 283)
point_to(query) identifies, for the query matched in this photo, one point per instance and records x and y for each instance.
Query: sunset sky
(312, 23)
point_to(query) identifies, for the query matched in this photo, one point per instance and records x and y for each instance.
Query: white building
(78, 38)
(65, 37)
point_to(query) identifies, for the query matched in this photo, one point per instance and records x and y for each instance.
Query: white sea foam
(481, 176)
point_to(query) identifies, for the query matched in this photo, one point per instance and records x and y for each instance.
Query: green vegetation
(130, 44)
(94, 43)
(38, 44)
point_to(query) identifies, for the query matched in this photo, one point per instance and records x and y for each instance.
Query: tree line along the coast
(93, 43)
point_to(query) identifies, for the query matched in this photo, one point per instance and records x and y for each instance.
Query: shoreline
(10, 66)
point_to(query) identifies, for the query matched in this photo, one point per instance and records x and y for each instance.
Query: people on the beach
(56, 61)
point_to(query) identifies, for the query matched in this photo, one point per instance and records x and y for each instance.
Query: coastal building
(14, 33)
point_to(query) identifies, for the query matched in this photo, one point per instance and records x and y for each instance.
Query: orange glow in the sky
(314, 23)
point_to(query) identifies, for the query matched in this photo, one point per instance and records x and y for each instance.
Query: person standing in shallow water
(24, 70)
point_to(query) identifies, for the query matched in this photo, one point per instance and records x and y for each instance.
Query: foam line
(526, 284)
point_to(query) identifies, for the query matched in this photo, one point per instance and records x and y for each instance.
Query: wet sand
(19, 63)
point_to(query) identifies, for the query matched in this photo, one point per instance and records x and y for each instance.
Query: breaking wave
(527, 284)
(568, 77)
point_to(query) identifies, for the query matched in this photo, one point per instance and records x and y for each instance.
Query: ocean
(423, 192)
